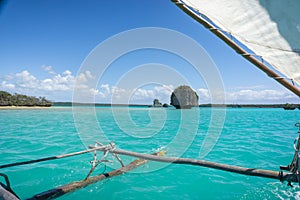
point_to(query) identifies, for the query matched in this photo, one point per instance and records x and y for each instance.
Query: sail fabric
(269, 28)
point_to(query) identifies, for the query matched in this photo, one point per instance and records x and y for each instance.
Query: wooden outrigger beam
(59, 191)
(143, 158)
(238, 48)
(282, 176)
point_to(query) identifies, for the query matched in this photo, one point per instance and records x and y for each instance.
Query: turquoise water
(258, 138)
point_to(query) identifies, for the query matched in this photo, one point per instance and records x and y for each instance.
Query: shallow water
(258, 138)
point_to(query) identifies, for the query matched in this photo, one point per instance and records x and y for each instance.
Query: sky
(47, 49)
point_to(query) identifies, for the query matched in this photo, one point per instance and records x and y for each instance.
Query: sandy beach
(22, 107)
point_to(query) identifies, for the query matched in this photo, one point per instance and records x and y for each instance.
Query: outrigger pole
(143, 158)
(237, 48)
(49, 158)
(282, 176)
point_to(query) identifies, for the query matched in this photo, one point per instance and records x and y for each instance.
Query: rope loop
(106, 150)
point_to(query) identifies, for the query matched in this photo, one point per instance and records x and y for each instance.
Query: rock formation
(184, 97)
(156, 103)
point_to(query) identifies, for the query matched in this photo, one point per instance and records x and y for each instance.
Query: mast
(271, 73)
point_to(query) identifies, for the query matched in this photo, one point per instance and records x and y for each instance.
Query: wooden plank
(59, 191)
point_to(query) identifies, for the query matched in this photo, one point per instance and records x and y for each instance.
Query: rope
(106, 149)
(294, 166)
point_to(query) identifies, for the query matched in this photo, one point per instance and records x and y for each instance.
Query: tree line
(7, 99)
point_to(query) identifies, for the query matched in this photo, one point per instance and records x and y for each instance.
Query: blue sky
(44, 43)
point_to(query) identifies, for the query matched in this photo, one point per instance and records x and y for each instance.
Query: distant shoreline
(70, 104)
(247, 105)
(58, 104)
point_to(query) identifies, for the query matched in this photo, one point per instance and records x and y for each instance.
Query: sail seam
(269, 47)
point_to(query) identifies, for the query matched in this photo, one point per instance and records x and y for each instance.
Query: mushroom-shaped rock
(184, 97)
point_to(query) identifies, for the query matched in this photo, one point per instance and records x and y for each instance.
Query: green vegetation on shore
(7, 99)
(68, 104)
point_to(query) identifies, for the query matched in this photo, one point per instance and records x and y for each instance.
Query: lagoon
(250, 137)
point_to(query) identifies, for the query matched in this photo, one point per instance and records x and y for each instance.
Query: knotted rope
(106, 149)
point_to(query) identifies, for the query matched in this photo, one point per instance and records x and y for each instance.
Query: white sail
(269, 28)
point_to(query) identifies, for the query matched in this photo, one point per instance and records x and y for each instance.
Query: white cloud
(26, 80)
(119, 95)
(67, 73)
(89, 75)
(248, 95)
(49, 69)
(107, 93)
(204, 95)
(114, 94)
(7, 86)
(260, 96)
(140, 94)
(94, 91)
(59, 87)
(160, 92)
(106, 88)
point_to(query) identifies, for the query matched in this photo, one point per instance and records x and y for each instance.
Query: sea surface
(248, 137)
